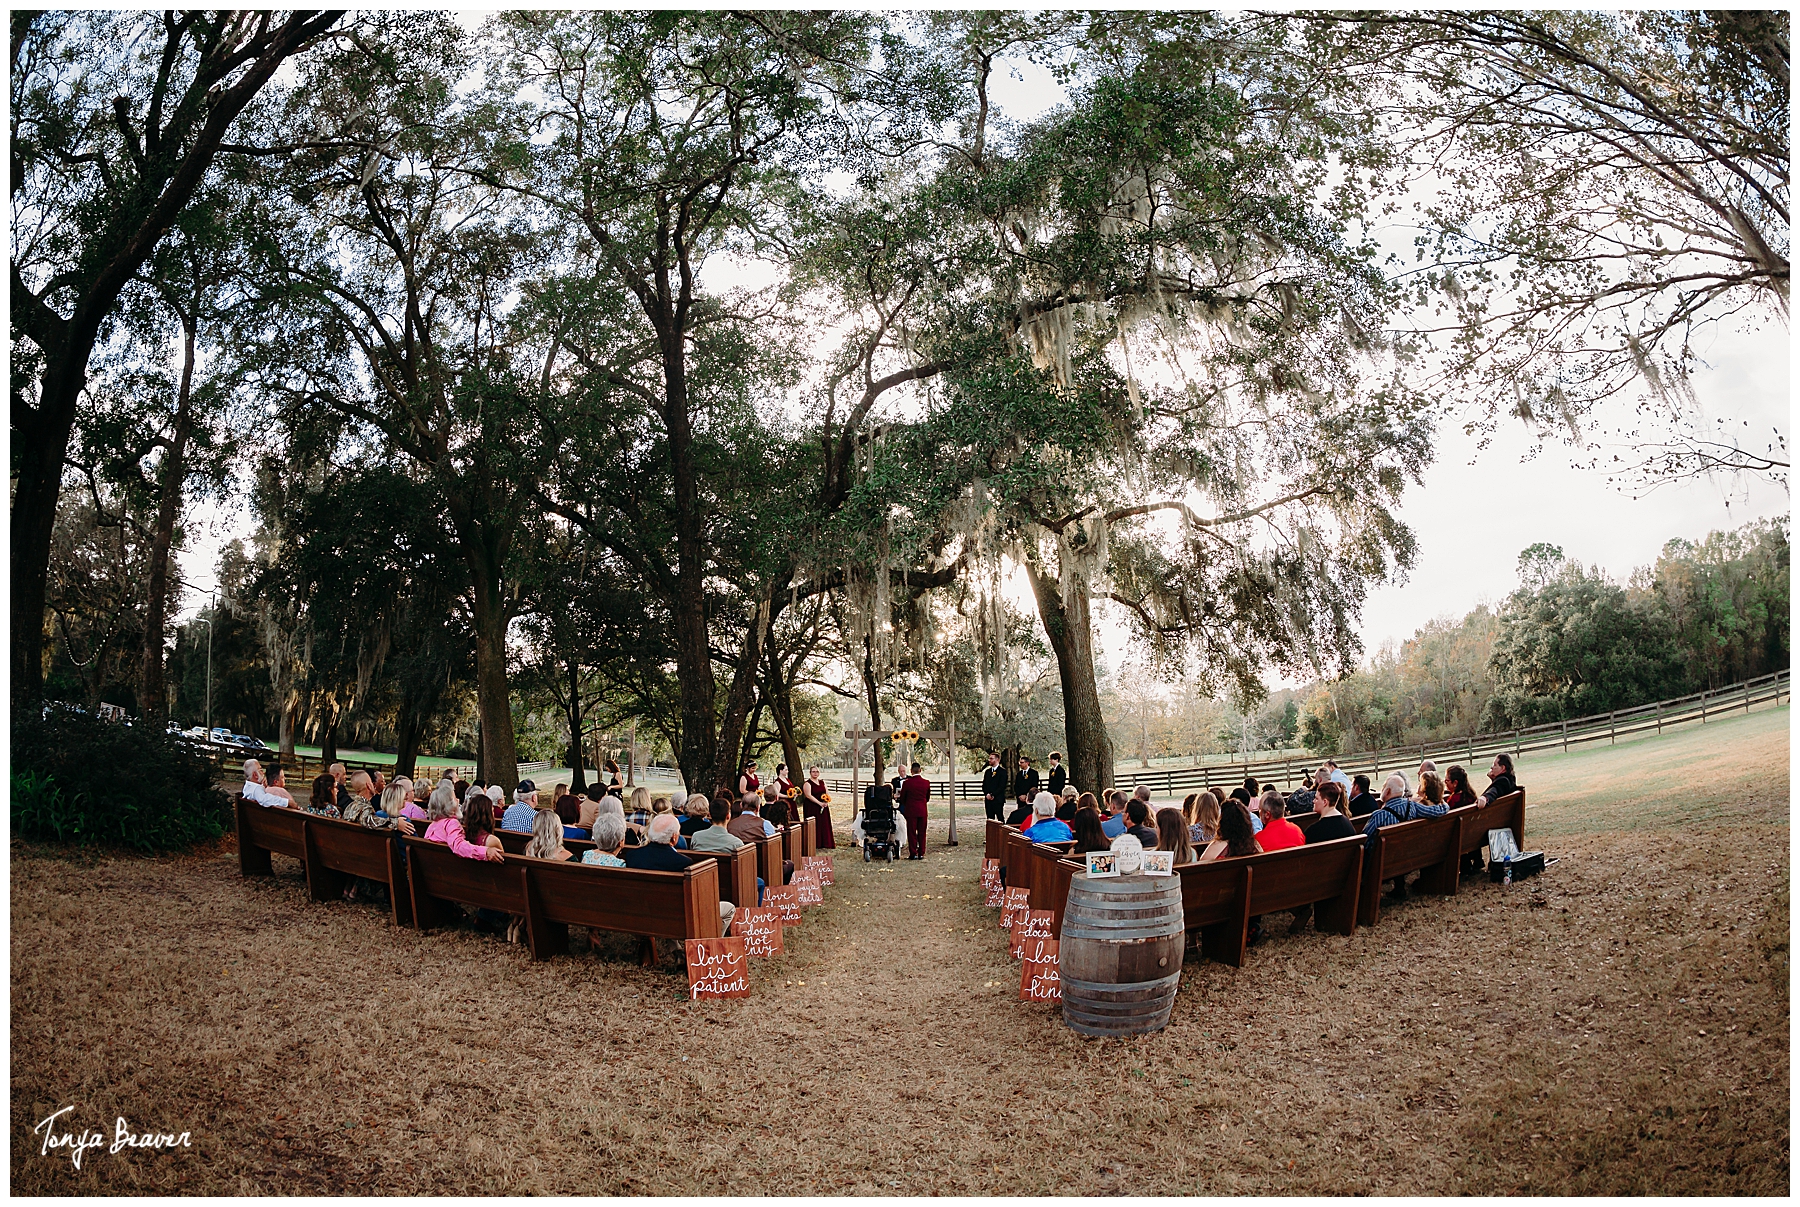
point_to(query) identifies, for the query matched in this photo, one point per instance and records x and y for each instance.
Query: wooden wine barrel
(1120, 958)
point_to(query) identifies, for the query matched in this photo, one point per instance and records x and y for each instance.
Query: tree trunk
(328, 745)
(781, 707)
(740, 700)
(1089, 747)
(578, 774)
(493, 696)
(751, 725)
(153, 700)
(407, 732)
(39, 446)
(870, 686)
(285, 742)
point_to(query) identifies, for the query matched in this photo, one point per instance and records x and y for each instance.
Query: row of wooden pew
(426, 881)
(1341, 879)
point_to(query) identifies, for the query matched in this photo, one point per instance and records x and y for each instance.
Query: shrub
(78, 779)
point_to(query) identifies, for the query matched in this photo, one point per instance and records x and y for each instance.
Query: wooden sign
(717, 968)
(990, 871)
(996, 893)
(806, 887)
(1040, 979)
(787, 900)
(1017, 901)
(821, 865)
(760, 929)
(1032, 924)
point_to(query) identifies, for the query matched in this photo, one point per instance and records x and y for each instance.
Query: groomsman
(993, 787)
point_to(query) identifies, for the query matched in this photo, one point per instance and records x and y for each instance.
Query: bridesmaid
(818, 804)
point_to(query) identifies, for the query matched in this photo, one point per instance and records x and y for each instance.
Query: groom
(915, 793)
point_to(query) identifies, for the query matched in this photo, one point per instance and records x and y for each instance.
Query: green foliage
(78, 779)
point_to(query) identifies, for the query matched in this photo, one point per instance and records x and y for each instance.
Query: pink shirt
(412, 812)
(448, 830)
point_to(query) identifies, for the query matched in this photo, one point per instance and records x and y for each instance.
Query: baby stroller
(879, 839)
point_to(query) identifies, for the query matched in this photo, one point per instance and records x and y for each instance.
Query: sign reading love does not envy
(1033, 924)
(1015, 904)
(717, 967)
(806, 887)
(760, 928)
(1040, 977)
(786, 899)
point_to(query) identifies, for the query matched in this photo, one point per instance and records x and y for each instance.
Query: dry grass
(1618, 1026)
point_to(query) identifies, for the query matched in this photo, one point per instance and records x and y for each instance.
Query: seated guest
(658, 854)
(277, 785)
(547, 838)
(1065, 812)
(256, 788)
(609, 839)
(1361, 802)
(1045, 826)
(1236, 838)
(589, 805)
(1302, 799)
(1172, 835)
(1457, 789)
(557, 793)
(362, 809)
(395, 799)
(379, 781)
(1021, 814)
(477, 820)
(695, 820)
(1431, 789)
(1500, 779)
(1137, 812)
(1250, 788)
(324, 797)
(1203, 819)
(638, 813)
(1396, 807)
(1328, 803)
(745, 824)
(462, 791)
(775, 812)
(1088, 834)
(443, 803)
(568, 811)
(752, 802)
(717, 836)
(449, 831)
(1278, 833)
(522, 814)
(1086, 801)
(1112, 820)
(791, 810)
(1427, 767)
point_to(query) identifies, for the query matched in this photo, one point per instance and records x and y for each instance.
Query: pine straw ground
(1618, 1026)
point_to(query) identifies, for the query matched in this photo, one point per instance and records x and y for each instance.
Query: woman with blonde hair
(394, 799)
(1203, 818)
(547, 837)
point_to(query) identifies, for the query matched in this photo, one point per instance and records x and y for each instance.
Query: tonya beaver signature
(78, 1143)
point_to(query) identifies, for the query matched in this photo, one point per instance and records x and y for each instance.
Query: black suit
(655, 857)
(1059, 777)
(1026, 785)
(993, 790)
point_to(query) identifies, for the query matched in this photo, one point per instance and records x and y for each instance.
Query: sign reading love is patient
(787, 900)
(1034, 924)
(760, 929)
(1040, 979)
(806, 887)
(717, 967)
(1017, 902)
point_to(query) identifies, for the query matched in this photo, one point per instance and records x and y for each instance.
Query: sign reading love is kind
(1040, 979)
(760, 928)
(787, 900)
(717, 967)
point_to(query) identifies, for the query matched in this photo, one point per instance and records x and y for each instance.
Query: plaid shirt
(1401, 808)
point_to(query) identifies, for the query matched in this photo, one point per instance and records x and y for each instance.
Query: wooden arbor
(857, 737)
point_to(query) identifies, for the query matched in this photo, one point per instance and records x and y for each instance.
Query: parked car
(220, 734)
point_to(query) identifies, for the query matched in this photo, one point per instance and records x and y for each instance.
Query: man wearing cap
(522, 813)
(1045, 827)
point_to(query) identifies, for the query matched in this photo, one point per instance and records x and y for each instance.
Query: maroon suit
(915, 794)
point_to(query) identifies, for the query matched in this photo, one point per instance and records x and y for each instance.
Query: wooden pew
(809, 837)
(1219, 898)
(1428, 845)
(768, 858)
(261, 830)
(337, 850)
(996, 835)
(737, 871)
(793, 840)
(1506, 812)
(552, 896)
